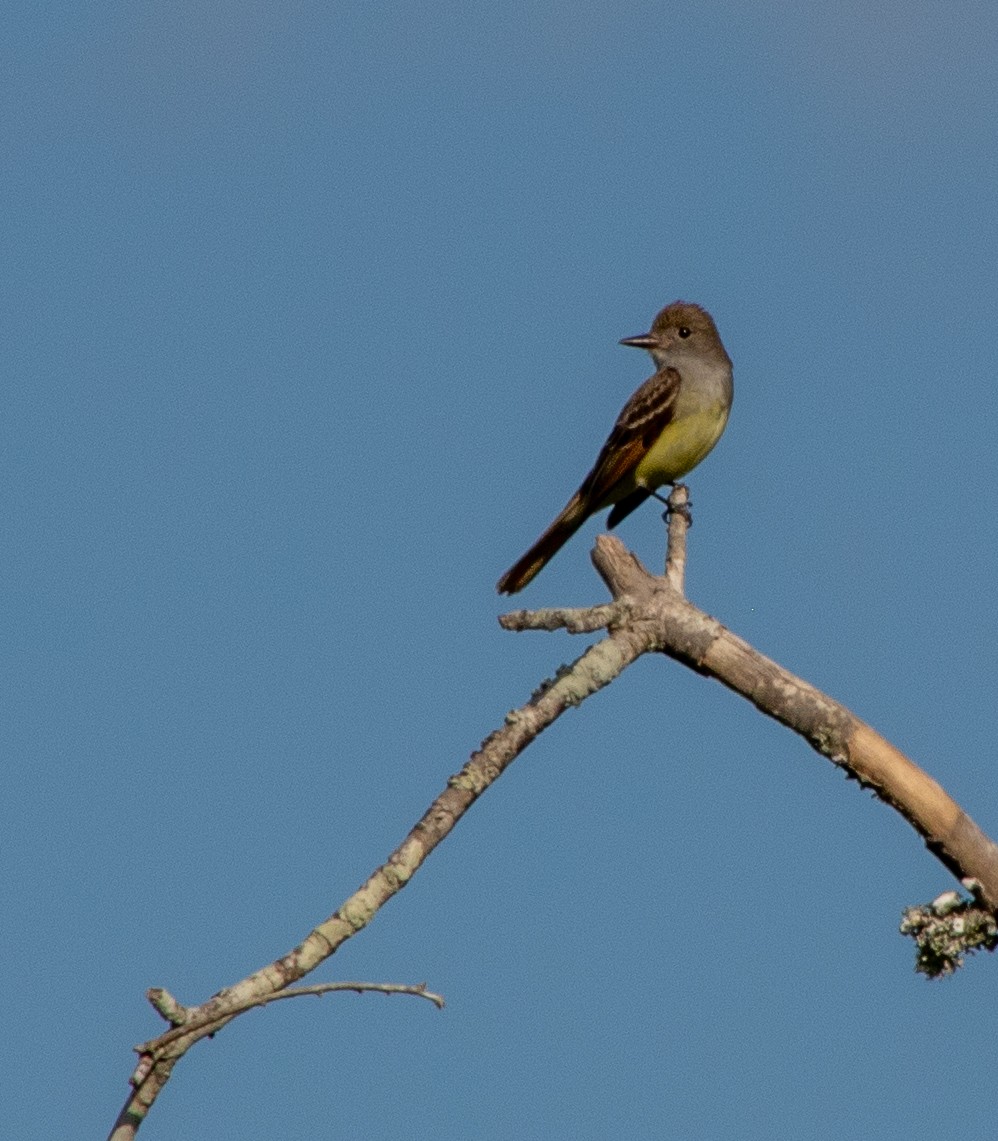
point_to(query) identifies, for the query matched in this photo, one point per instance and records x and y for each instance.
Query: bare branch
(179, 1015)
(674, 626)
(597, 667)
(648, 613)
(417, 989)
(575, 621)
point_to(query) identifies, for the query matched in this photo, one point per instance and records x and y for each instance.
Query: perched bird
(662, 432)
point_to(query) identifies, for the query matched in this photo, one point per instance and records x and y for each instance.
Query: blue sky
(310, 326)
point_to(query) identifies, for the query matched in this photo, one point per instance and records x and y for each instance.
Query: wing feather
(640, 423)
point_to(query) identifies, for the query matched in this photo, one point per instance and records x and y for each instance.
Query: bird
(663, 431)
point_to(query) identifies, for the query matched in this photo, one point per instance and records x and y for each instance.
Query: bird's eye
(684, 332)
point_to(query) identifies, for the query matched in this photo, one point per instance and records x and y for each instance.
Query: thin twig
(179, 1016)
(573, 620)
(679, 522)
(418, 990)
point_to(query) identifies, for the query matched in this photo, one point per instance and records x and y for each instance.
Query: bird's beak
(645, 341)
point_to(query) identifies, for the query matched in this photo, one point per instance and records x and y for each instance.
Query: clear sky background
(310, 326)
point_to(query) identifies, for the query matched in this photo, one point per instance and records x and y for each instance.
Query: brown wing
(640, 423)
(638, 426)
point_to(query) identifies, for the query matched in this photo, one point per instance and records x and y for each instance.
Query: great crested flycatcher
(662, 432)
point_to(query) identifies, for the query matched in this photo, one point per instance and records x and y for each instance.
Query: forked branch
(647, 614)
(655, 615)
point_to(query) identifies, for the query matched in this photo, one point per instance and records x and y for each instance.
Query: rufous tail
(546, 547)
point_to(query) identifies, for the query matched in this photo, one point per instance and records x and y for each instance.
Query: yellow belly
(681, 446)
